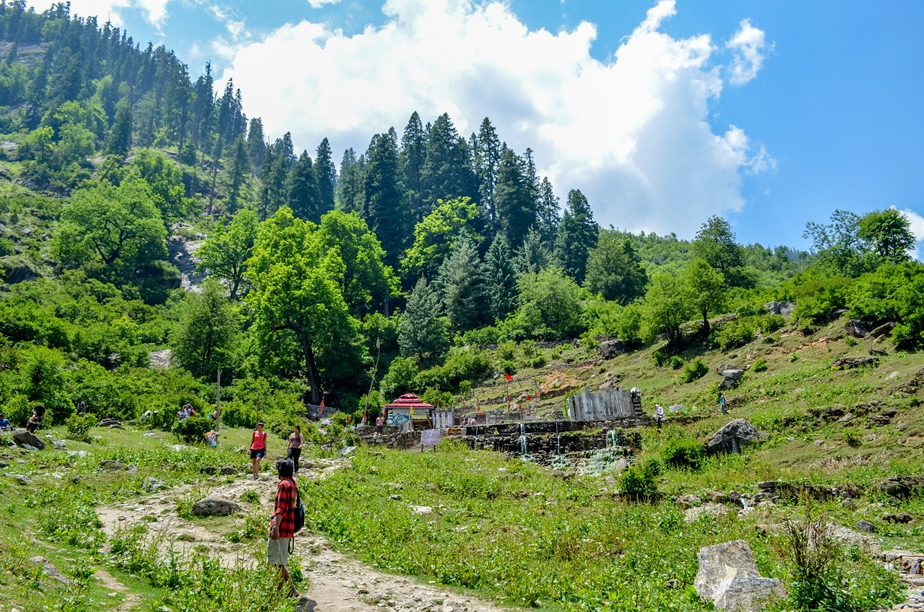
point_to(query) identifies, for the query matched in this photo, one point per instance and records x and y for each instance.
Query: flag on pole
(508, 376)
(529, 398)
(322, 406)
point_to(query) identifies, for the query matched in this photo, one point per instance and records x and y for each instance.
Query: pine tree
(447, 172)
(256, 143)
(304, 195)
(516, 211)
(348, 188)
(382, 199)
(120, 136)
(326, 176)
(548, 212)
(533, 256)
(487, 152)
(462, 282)
(577, 235)
(501, 278)
(411, 161)
(240, 167)
(424, 334)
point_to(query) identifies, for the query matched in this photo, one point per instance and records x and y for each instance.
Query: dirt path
(130, 600)
(335, 581)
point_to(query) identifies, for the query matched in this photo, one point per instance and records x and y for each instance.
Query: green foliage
(760, 365)
(892, 293)
(640, 481)
(666, 307)
(549, 306)
(684, 454)
(611, 319)
(400, 377)
(614, 269)
(192, 430)
(676, 362)
(771, 323)
(203, 339)
(424, 333)
(715, 245)
(78, 426)
(706, 289)
(817, 296)
(165, 180)
(436, 235)
(577, 235)
(506, 350)
(694, 370)
(462, 282)
(735, 333)
(226, 251)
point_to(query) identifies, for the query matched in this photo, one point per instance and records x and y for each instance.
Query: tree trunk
(314, 378)
(705, 330)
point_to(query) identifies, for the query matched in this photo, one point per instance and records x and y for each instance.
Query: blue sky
(771, 113)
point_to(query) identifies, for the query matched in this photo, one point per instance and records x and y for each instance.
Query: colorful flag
(529, 398)
(509, 377)
(322, 406)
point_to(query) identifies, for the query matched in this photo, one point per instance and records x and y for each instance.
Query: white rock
(729, 578)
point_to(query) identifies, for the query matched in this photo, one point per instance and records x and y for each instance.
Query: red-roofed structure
(408, 400)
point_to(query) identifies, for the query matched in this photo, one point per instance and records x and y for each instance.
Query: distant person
(35, 421)
(295, 446)
(282, 523)
(659, 415)
(379, 425)
(211, 438)
(257, 449)
(5, 424)
(82, 408)
(722, 404)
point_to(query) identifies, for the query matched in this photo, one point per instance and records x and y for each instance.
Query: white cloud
(154, 11)
(747, 45)
(320, 3)
(631, 132)
(916, 223)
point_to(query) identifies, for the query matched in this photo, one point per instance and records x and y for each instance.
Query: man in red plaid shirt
(282, 524)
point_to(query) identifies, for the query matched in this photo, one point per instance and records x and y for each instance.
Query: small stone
(819, 442)
(23, 480)
(395, 497)
(422, 510)
(849, 504)
(865, 526)
(152, 485)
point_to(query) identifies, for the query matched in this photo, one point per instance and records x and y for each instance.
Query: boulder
(227, 470)
(859, 328)
(712, 509)
(734, 436)
(21, 479)
(728, 577)
(209, 470)
(731, 376)
(152, 485)
(847, 363)
(688, 501)
(781, 308)
(110, 465)
(611, 348)
(17, 270)
(23, 437)
(215, 506)
(51, 571)
(882, 330)
(865, 526)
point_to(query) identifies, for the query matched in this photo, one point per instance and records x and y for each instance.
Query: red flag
(322, 406)
(529, 398)
(508, 376)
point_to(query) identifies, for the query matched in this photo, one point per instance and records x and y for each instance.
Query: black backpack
(299, 511)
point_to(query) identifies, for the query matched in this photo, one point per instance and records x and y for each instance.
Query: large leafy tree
(296, 296)
(435, 236)
(667, 306)
(706, 290)
(367, 282)
(716, 245)
(887, 234)
(117, 228)
(549, 305)
(166, 182)
(225, 253)
(614, 270)
(204, 337)
(577, 235)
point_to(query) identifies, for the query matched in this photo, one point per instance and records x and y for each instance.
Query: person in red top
(257, 449)
(282, 523)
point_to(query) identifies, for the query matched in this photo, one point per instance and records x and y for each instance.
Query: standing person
(380, 425)
(659, 415)
(295, 446)
(257, 448)
(282, 523)
(722, 404)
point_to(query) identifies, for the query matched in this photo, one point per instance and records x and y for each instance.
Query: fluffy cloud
(320, 3)
(916, 223)
(748, 47)
(154, 11)
(631, 132)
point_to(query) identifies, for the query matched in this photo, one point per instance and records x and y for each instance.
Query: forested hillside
(391, 271)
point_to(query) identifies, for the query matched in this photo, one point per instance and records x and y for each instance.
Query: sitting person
(5, 424)
(35, 421)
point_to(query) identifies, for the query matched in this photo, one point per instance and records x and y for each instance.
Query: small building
(410, 411)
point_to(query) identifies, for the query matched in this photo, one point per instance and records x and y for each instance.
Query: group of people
(185, 412)
(258, 448)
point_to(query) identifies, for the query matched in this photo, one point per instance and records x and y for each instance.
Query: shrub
(676, 362)
(771, 323)
(528, 348)
(684, 454)
(852, 438)
(506, 350)
(760, 365)
(694, 370)
(660, 357)
(78, 426)
(794, 357)
(191, 430)
(851, 341)
(735, 334)
(538, 361)
(640, 481)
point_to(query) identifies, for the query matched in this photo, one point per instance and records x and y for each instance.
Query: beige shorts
(277, 551)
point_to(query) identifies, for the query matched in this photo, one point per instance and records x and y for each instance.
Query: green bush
(734, 334)
(688, 454)
(660, 357)
(676, 362)
(528, 348)
(771, 323)
(538, 361)
(852, 438)
(78, 426)
(506, 350)
(760, 365)
(192, 430)
(694, 370)
(640, 481)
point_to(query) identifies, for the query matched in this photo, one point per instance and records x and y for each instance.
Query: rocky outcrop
(731, 375)
(847, 363)
(882, 330)
(858, 328)
(612, 348)
(17, 270)
(728, 577)
(23, 437)
(734, 436)
(215, 506)
(781, 308)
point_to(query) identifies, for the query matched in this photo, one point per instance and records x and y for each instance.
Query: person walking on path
(257, 449)
(282, 523)
(379, 425)
(659, 415)
(722, 404)
(295, 447)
